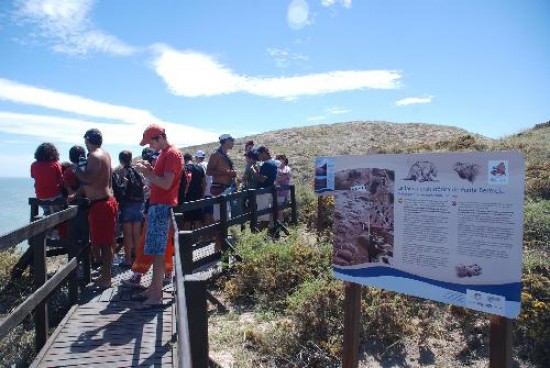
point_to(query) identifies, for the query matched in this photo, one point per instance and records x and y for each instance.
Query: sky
(201, 68)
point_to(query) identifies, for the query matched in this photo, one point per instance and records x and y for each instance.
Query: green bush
(273, 270)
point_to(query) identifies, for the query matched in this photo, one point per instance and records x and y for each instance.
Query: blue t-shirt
(269, 170)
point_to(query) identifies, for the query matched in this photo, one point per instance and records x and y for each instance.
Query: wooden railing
(191, 293)
(37, 302)
(191, 290)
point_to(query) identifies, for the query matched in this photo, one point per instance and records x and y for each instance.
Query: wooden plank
(111, 362)
(34, 228)
(23, 310)
(52, 338)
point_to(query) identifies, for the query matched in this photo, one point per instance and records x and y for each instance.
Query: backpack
(183, 189)
(194, 191)
(133, 191)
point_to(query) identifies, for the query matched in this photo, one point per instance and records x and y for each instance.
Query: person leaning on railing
(265, 176)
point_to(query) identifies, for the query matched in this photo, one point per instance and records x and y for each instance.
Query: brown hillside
(302, 145)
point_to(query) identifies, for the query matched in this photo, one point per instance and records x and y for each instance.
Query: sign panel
(441, 226)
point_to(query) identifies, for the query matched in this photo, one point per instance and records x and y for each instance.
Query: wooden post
(320, 209)
(254, 211)
(72, 252)
(185, 240)
(40, 277)
(197, 312)
(500, 342)
(293, 203)
(352, 325)
(223, 221)
(275, 205)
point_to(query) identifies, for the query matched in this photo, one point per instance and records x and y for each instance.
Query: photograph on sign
(441, 226)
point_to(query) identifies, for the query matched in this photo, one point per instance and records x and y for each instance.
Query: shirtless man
(95, 176)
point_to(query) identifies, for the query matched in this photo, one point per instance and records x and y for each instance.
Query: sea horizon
(14, 202)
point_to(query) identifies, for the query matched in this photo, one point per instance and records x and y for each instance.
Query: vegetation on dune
(285, 306)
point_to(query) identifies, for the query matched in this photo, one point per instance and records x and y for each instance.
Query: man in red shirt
(164, 178)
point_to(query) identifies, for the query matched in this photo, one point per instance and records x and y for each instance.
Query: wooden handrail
(34, 228)
(25, 308)
(184, 347)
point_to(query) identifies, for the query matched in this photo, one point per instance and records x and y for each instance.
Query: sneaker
(134, 281)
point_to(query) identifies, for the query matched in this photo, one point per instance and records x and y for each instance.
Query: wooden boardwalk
(111, 329)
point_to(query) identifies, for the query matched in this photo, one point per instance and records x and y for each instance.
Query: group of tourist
(139, 196)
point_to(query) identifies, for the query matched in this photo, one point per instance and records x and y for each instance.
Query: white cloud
(126, 126)
(337, 111)
(413, 100)
(316, 118)
(191, 74)
(65, 24)
(328, 3)
(297, 15)
(284, 57)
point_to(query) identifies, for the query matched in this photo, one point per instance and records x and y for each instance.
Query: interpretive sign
(441, 226)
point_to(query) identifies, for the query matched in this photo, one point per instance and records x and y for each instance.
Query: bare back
(98, 175)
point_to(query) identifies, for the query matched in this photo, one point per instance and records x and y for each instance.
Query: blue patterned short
(158, 226)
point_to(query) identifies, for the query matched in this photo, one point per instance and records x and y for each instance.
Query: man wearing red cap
(164, 178)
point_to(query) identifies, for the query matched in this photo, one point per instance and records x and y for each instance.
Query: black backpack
(185, 180)
(133, 191)
(194, 191)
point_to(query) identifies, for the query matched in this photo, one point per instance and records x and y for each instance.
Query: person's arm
(164, 181)
(256, 175)
(212, 166)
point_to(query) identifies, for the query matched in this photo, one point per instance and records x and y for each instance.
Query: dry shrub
(537, 181)
(271, 271)
(386, 316)
(532, 332)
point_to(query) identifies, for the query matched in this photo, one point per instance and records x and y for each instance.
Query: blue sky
(206, 67)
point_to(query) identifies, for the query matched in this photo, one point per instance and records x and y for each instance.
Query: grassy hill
(301, 320)
(302, 145)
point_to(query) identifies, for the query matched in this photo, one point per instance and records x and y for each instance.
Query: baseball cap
(225, 137)
(151, 132)
(94, 136)
(199, 154)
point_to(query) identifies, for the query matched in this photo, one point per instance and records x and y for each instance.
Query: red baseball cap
(151, 132)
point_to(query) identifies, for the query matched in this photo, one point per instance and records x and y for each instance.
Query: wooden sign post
(500, 342)
(352, 325)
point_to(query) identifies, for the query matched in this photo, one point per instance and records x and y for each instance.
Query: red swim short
(102, 220)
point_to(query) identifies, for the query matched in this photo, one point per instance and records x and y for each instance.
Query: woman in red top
(48, 178)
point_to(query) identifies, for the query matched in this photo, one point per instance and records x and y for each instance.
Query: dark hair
(125, 158)
(252, 154)
(147, 154)
(75, 153)
(65, 165)
(94, 137)
(46, 152)
(282, 158)
(187, 157)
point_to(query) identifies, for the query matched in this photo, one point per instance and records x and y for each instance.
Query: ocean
(14, 202)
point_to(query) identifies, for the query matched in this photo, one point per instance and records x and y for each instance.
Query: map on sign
(441, 226)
